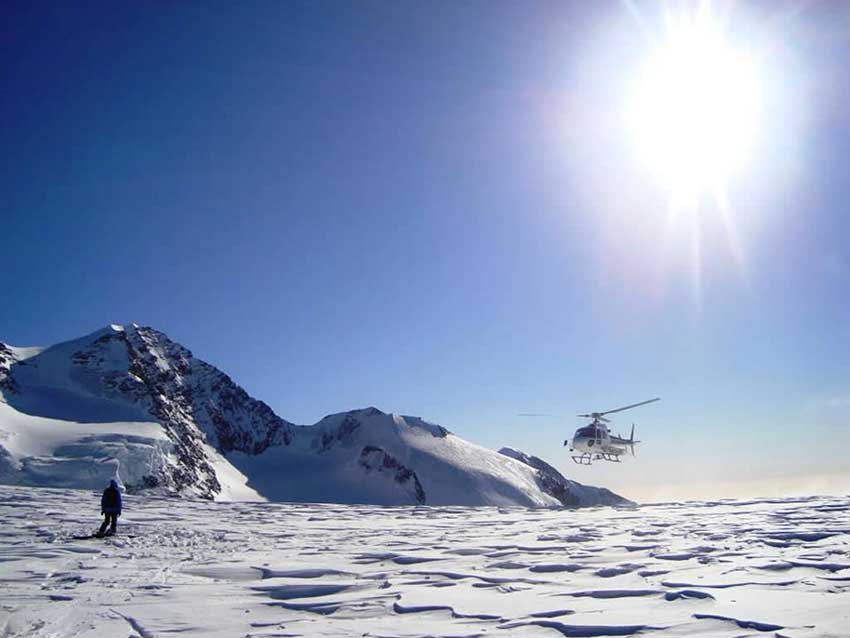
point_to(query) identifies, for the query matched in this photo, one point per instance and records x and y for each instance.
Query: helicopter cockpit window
(589, 431)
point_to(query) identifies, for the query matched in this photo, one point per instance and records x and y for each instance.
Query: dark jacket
(110, 502)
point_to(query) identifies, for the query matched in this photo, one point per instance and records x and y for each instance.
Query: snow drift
(126, 402)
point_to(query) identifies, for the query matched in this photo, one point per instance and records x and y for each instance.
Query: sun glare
(694, 107)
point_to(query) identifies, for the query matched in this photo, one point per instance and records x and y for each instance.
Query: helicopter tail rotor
(632, 440)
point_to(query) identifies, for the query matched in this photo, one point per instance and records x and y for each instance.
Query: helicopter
(594, 441)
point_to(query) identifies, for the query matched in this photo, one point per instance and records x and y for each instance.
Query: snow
(41, 451)
(234, 484)
(200, 568)
(22, 353)
(54, 367)
(327, 462)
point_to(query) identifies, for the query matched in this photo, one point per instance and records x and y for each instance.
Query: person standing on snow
(110, 507)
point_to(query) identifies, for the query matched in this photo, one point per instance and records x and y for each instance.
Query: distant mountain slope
(368, 456)
(127, 402)
(569, 493)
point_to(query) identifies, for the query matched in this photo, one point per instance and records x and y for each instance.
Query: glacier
(191, 567)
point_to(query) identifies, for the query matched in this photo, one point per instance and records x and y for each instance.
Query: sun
(694, 108)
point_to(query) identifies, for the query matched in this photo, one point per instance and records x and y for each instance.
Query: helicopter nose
(579, 443)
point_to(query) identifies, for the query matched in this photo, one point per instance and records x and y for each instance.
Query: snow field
(196, 568)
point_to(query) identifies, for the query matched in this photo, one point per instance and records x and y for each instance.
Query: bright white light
(694, 109)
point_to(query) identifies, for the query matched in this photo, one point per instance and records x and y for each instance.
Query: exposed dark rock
(343, 432)
(375, 458)
(569, 493)
(7, 360)
(440, 432)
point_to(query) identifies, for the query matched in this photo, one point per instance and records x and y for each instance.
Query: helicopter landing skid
(587, 458)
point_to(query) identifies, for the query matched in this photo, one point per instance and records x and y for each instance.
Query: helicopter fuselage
(595, 441)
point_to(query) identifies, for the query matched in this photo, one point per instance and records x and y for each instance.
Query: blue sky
(432, 208)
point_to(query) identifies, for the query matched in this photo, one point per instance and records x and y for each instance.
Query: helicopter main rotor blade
(596, 415)
(633, 405)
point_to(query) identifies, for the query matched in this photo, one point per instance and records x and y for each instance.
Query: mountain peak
(370, 411)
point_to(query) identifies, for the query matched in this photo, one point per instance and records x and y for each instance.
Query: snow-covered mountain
(127, 402)
(569, 493)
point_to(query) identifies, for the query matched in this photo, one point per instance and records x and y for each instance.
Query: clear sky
(435, 208)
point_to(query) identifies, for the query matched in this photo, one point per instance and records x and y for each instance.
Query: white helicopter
(595, 441)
